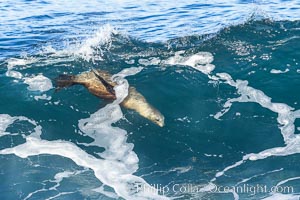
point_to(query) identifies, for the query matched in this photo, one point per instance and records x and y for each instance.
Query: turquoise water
(224, 75)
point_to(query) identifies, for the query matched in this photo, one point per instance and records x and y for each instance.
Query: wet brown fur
(134, 100)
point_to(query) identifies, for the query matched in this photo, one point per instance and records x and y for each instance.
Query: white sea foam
(38, 83)
(130, 62)
(59, 195)
(287, 180)
(258, 175)
(184, 119)
(14, 74)
(13, 62)
(89, 49)
(200, 61)
(35, 83)
(118, 162)
(43, 97)
(5, 121)
(47, 50)
(287, 191)
(35, 192)
(58, 178)
(276, 71)
(279, 196)
(252, 72)
(150, 61)
(286, 118)
(213, 155)
(286, 114)
(106, 193)
(182, 170)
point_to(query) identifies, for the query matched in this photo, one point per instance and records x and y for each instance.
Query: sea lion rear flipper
(107, 85)
(63, 81)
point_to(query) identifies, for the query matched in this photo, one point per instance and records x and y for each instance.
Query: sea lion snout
(160, 121)
(156, 117)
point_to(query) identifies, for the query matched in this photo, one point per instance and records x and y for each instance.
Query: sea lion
(99, 83)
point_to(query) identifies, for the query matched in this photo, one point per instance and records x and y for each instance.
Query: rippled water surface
(225, 75)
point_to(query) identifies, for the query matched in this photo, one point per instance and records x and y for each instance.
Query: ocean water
(225, 75)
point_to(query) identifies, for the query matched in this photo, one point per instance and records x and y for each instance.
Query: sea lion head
(155, 116)
(137, 102)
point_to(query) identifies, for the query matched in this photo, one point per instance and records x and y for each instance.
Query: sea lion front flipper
(107, 85)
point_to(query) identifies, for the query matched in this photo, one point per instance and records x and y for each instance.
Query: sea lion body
(99, 83)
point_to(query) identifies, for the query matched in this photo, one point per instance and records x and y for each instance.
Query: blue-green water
(224, 75)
